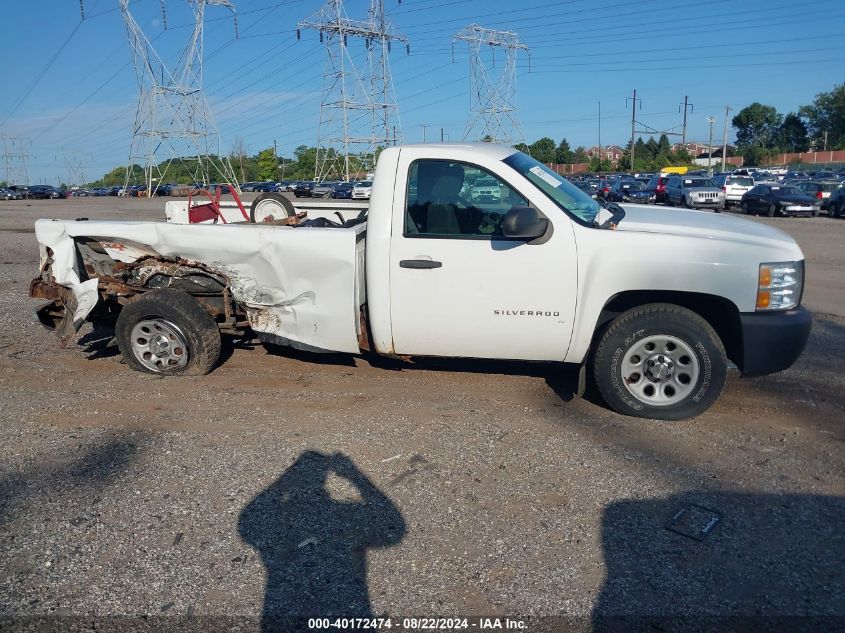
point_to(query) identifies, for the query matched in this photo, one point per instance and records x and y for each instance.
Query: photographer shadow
(314, 546)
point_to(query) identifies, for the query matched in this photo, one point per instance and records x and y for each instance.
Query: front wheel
(771, 211)
(660, 361)
(167, 332)
(745, 208)
(684, 203)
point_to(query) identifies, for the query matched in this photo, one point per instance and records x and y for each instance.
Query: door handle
(419, 263)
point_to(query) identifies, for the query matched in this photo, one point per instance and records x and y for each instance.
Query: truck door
(457, 286)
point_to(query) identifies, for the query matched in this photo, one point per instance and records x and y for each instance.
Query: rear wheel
(684, 203)
(167, 332)
(270, 206)
(660, 361)
(668, 201)
(745, 208)
(772, 210)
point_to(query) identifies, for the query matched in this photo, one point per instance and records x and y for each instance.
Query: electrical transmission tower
(492, 109)
(358, 111)
(173, 121)
(75, 162)
(15, 154)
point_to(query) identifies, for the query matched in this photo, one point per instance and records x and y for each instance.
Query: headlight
(780, 285)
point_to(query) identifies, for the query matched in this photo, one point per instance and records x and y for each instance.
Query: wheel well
(720, 313)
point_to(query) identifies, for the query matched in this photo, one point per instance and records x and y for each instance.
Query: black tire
(267, 205)
(638, 325)
(668, 201)
(179, 309)
(745, 208)
(771, 210)
(684, 203)
(835, 210)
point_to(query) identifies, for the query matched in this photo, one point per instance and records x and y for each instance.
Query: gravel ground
(292, 484)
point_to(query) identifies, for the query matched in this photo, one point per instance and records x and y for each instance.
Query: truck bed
(299, 286)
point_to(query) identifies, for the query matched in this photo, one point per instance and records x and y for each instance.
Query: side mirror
(524, 223)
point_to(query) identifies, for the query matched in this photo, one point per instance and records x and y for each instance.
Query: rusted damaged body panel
(296, 286)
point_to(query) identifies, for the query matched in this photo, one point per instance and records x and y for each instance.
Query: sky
(70, 92)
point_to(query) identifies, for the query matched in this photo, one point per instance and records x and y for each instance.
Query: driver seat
(442, 214)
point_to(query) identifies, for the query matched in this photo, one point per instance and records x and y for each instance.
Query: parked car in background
(824, 174)
(836, 203)
(485, 190)
(323, 189)
(820, 190)
(303, 189)
(362, 190)
(23, 190)
(586, 187)
(285, 185)
(248, 187)
(343, 190)
(603, 188)
(630, 191)
(657, 184)
(265, 187)
(9, 194)
(694, 193)
(733, 186)
(776, 199)
(45, 192)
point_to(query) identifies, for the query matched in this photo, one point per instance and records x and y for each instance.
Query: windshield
(787, 191)
(365, 183)
(632, 185)
(742, 181)
(698, 182)
(562, 192)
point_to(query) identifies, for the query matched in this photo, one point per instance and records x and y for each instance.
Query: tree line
(762, 131)
(649, 155)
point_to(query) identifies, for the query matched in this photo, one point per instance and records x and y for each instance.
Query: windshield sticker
(775, 188)
(542, 173)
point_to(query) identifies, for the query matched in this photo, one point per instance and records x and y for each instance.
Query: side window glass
(453, 200)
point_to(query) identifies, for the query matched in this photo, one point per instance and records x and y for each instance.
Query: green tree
(267, 164)
(580, 155)
(543, 150)
(522, 147)
(792, 136)
(827, 114)
(663, 145)
(757, 125)
(651, 148)
(563, 153)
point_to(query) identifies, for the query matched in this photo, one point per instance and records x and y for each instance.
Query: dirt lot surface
(286, 483)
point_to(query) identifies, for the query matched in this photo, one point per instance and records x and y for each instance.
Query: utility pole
(633, 101)
(725, 139)
(711, 120)
(687, 106)
(599, 130)
(825, 140)
(424, 126)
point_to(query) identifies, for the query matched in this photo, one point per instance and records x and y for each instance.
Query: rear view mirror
(524, 223)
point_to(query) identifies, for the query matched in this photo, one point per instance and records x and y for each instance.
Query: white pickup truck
(653, 301)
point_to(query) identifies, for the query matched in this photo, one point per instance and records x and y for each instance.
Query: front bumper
(772, 341)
